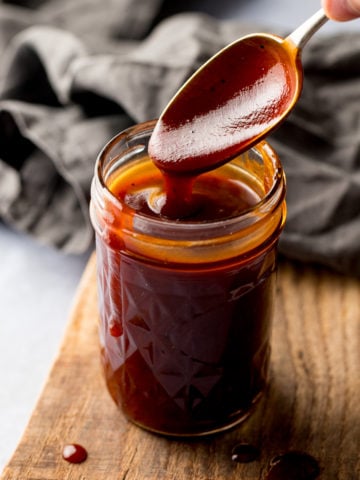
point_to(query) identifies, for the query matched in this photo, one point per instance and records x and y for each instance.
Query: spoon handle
(302, 34)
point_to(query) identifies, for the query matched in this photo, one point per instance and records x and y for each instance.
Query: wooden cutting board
(312, 404)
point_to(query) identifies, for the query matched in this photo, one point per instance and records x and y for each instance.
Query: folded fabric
(319, 145)
(76, 72)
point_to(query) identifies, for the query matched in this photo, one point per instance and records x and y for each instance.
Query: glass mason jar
(185, 306)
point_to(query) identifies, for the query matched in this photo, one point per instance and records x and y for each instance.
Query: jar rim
(272, 198)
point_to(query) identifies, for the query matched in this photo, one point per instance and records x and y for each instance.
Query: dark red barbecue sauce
(245, 453)
(74, 453)
(293, 466)
(222, 112)
(186, 344)
(226, 107)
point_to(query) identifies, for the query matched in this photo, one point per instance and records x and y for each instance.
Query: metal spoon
(232, 102)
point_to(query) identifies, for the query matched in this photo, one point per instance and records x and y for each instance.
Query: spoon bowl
(232, 102)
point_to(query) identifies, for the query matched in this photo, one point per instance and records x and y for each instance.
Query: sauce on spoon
(232, 102)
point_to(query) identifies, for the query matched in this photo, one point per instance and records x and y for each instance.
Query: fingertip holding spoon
(232, 102)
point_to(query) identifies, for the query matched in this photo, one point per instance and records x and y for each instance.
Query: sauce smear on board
(293, 466)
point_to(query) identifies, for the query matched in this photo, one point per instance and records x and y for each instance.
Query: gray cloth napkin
(74, 73)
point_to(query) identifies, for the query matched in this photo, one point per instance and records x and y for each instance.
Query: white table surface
(37, 284)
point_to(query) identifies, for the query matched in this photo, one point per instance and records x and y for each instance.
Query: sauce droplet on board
(245, 453)
(293, 466)
(74, 453)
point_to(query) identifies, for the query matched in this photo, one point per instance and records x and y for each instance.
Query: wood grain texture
(312, 403)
